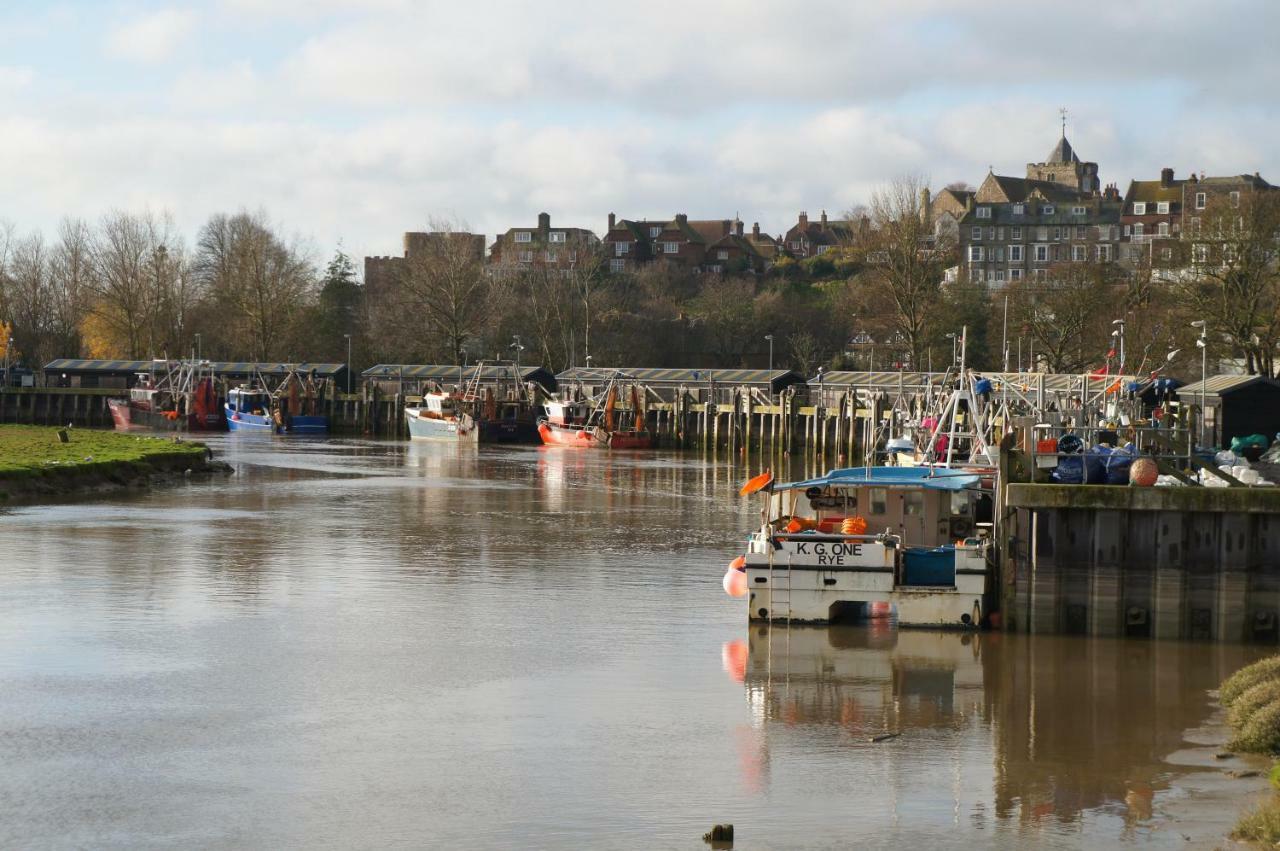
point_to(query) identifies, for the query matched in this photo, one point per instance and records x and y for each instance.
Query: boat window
(960, 504)
(913, 503)
(879, 500)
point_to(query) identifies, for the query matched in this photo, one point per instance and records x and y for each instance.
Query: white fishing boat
(898, 541)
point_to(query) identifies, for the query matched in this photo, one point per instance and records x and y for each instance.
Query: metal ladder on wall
(472, 391)
(779, 595)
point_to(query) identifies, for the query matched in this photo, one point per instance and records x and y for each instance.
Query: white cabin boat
(901, 540)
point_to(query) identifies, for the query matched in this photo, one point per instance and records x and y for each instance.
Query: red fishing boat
(171, 397)
(603, 427)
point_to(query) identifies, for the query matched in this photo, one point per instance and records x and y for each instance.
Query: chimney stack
(804, 220)
(737, 227)
(544, 221)
(1166, 177)
(682, 218)
(824, 218)
(755, 229)
(612, 221)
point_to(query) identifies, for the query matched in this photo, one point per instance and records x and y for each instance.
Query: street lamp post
(348, 336)
(1119, 332)
(518, 349)
(1203, 343)
(199, 351)
(769, 337)
(8, 348)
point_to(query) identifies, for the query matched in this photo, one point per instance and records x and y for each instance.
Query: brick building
(1018, 227)
(542, 245)
(1151, 223)
(809, 239)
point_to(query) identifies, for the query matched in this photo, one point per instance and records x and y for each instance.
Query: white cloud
(12, 79)
(153, 37)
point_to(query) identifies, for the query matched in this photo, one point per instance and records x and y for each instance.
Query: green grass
(1260, 825)
(1247, 677)
(28, 452)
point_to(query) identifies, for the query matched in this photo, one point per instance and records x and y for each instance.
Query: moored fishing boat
(439, 417)
(290, 410)
(865, 539)
(495, 406)
(171, 397)
(603, 426)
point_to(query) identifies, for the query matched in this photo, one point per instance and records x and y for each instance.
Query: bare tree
(1061, 316)
(1234, 280)
(71, 270)
(906, 261)
(29, 298)
(445, 286)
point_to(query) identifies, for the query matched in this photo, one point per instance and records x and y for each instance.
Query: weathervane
(1063, 112)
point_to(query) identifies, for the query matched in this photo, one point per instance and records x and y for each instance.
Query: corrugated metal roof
(1216, 385)
(128, 367)
(1025, 382)
(489, 373)
(654, 375)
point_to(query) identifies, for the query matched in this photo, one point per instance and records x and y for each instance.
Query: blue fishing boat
(254, 409)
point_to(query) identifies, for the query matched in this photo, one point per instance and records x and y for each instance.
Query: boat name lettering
(829, 553)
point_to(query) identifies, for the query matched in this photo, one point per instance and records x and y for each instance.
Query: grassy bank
(1252, 698)
(35, 461)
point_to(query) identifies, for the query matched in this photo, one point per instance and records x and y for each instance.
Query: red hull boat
(592, 437)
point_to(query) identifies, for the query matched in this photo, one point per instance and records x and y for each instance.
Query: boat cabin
(247, 400)
(441, 406)
(921, 506)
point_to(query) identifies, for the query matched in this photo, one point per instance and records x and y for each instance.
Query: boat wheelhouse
(290, 410)
(172, 396)
(440, 417)
(864, 539)
(600, 424)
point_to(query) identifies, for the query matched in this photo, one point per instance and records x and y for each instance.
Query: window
(1000, 234)
(1080, 231)
(1200, 253)
(526, 256)
(1195, 224)
(997, 253)
(999, 275)
(1042, 254)
(977, 275)
(794, 245)
(1166, 253)
(1015, 233)
(991, 233)
(1103, 253)
(1047, 210)
(1042, 233)
(555, 236)
(621, 248)
(1138, 229)
(1078, 211)
(1019, 209)
(879, 499)
(984, 212)
(1079, 253)
(716, 269)
(1200, 199)
(913, 503)
(1235, 199)
(975, 253)
(1162, 207)
(1015, 253)
(823, 249)
(1139, 208)
(616, 266)
(550, 256)
(1057, 233)
(524, 236)
(975, 232)
(655, 232)
(1015, 274)
(1040, 274)
(1229, 252)
(724, 255)
(670, 248)
(1162, 229)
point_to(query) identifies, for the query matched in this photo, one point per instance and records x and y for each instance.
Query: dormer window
(1019, 209)
(1139, 208)
(1046, 210)
(555, 236)
(1078, 211)
(524, 236)
(984, 212)
(655, 232)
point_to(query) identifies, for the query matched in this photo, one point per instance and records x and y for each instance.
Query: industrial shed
(415, 378)
(1236, 406)
(75, 372)
(702, 384)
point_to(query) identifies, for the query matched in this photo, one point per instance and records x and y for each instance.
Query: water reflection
(1073, 730)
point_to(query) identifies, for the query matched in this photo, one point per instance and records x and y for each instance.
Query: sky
(349, 122)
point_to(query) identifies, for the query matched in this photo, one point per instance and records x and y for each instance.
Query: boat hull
(820, 578)
(436, 428)
(128, 417)
(555, 434)
(255, 423)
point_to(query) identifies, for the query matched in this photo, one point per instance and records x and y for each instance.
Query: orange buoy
(757, 483)
(739, 563)
(853, 526)
(800, 524)
(1143, 472)
(735, 582)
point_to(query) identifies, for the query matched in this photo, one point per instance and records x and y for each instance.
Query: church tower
(1064, 166)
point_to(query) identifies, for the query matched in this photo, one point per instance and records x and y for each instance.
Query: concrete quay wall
(1197, 563)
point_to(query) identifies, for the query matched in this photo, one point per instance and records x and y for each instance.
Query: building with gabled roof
(1151, 222)
(809, 239)
(542, 245)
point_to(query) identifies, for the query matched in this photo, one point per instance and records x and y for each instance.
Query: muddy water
(372, 645)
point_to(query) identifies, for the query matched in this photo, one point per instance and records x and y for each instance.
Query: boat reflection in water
(1022, 735)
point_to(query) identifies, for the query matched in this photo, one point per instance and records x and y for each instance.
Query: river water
(368, 645)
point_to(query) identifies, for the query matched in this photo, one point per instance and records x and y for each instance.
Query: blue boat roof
(936, 478)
